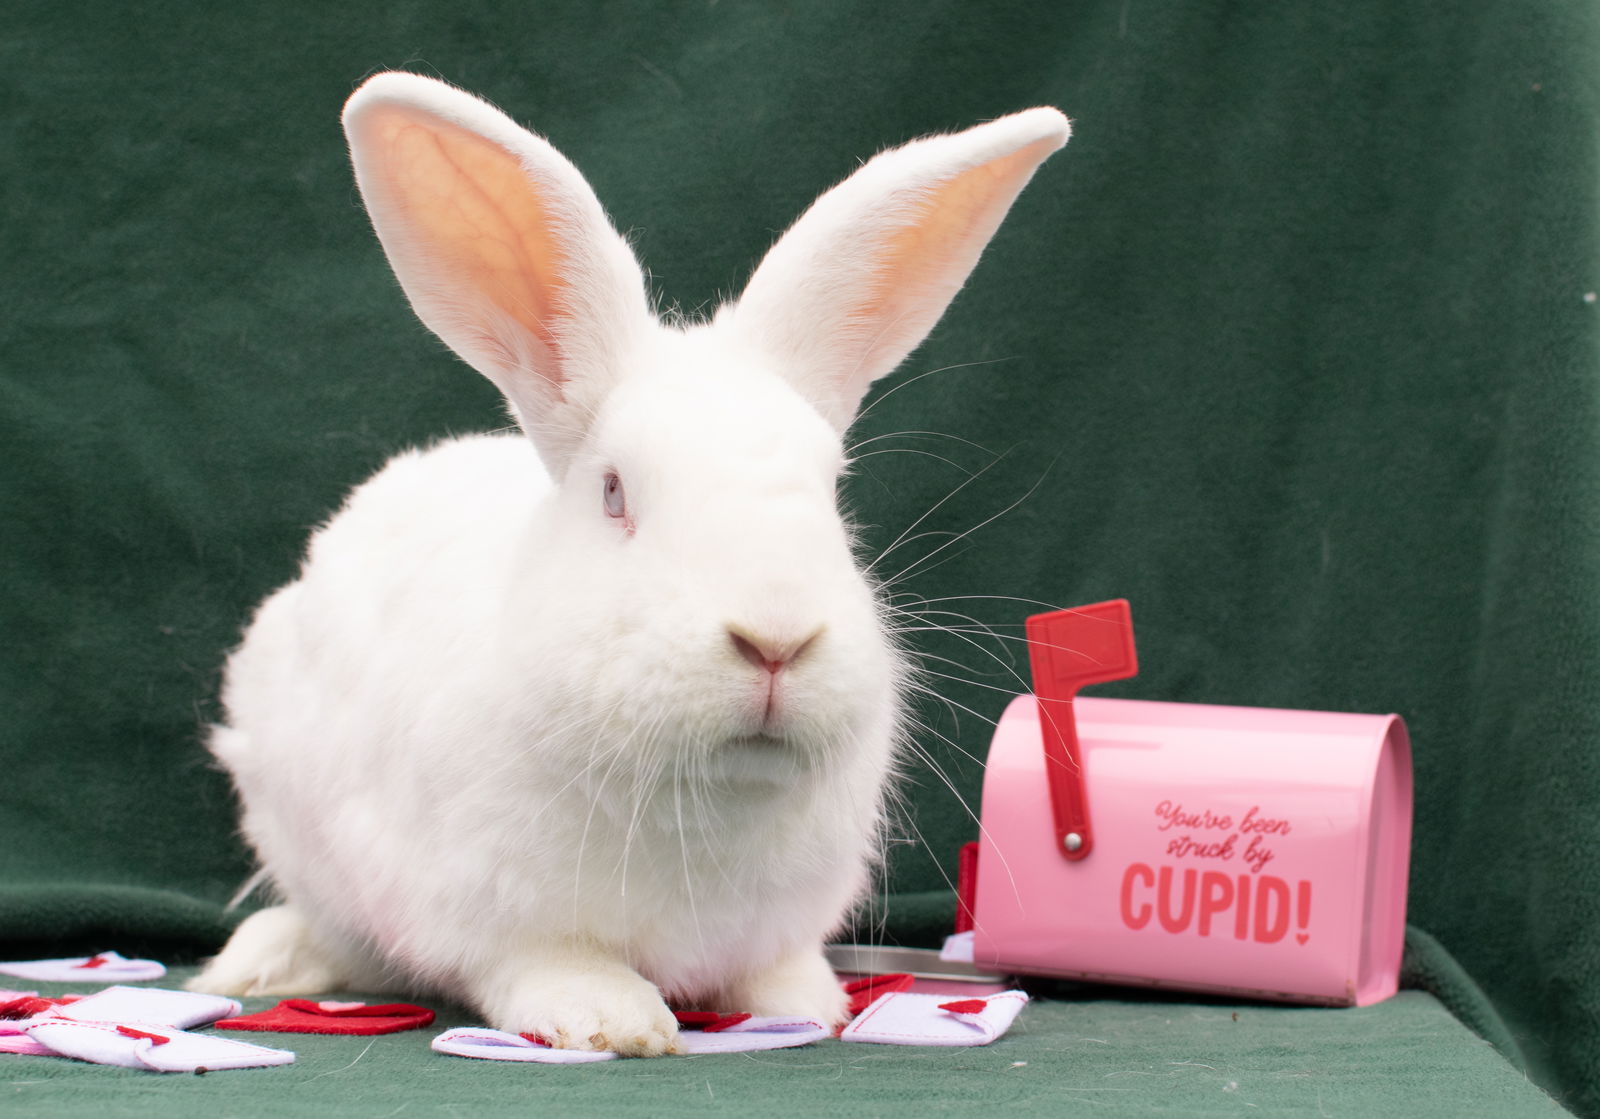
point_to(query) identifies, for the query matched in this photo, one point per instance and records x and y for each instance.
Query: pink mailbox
(1243, 851)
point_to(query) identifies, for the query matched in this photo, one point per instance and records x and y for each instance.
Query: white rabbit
(575, 723)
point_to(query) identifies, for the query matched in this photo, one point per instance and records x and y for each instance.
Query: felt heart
(112, 1009)
(741, 1033)
(868, 989)
(708, 1021)
(704, 1021)
(901, 1018)
(144, 1006)
(107, 967)
(26, 1007)
(497, 1045)
(157, 1049)
(25, 1045)
(302, 1016)
(736, 1033)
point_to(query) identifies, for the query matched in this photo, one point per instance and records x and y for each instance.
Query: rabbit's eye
(616, 501)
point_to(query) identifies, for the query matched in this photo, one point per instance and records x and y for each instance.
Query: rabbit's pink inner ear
(471, 238)
(862, 277)
(951, 226)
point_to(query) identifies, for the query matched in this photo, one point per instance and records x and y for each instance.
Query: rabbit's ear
(501, 247)
(859, 280)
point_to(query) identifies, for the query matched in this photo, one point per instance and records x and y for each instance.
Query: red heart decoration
(708, 1021)
(965, 1006)
(866, 990)
(26, 1007)
(302, 1016)
(727, 1021)
(695, 1019)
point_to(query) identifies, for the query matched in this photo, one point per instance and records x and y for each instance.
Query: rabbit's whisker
(910, 568)
(912, 451)
(970, 637)
(909, 381)
(975, 817)
(683, 850)
(930, 511)
(850, 451)
(1043, 606)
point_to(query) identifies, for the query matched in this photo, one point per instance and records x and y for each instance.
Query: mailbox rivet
(1073, 841)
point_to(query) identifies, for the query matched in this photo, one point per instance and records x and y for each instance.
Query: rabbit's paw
(802, 984)
(605, 1007)
(272, 952)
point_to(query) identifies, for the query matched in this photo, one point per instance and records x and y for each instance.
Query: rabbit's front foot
(802, 984)
(275, 952)
(577, 998)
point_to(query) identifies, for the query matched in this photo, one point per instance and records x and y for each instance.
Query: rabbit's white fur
(499, 741)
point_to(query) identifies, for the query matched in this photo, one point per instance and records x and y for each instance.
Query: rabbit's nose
(770, 652)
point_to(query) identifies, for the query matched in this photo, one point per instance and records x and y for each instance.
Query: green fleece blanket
(1294, 346)
(1112, 1056)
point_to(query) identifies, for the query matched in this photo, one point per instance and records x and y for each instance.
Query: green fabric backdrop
(1294, 346)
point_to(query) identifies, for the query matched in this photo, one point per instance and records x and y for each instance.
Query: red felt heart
(727, 1021)
(302, 1016)
(965, 1006)
(695, 1019)
(868, 989)
(26, 1007)
(358, 1010)
(708, 1021)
